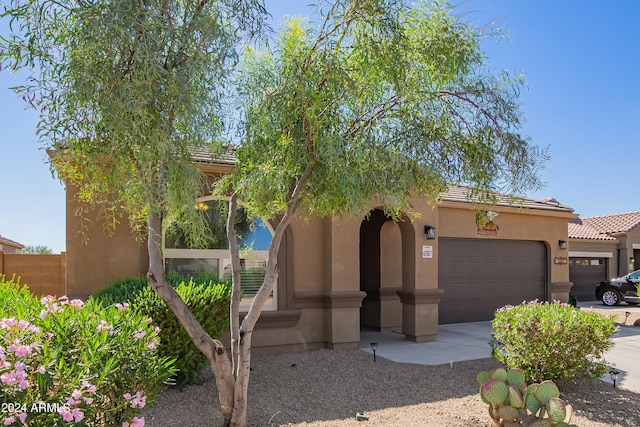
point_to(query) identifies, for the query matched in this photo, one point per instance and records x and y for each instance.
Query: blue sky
(581, 59)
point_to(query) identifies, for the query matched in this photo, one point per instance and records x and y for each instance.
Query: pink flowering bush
(552, 341)
(67, 363)
(207, 299)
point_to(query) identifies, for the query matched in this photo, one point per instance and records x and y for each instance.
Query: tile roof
(9, 242)
(461, 193)
(615, 223)
(581, 230)
(455, 193)
(205, 155)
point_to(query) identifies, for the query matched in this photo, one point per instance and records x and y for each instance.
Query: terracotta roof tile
(205, 155)
(580, 230)
(461, 193)
(455, 192)
(615, 223)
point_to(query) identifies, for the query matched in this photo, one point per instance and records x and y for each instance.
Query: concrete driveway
(469, 341)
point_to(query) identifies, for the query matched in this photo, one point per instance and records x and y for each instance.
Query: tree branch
(463, 97)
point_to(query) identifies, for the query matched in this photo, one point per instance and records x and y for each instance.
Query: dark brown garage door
(480, 276)
(585, 274)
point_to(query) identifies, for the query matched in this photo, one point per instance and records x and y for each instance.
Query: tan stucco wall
(633, 236)
(323, 296)
(459, 221)
(607, 249)
(96, 258)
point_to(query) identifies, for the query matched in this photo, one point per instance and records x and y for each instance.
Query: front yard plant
(208, 300)
(69, 363)
(514, 403)
(552, 341)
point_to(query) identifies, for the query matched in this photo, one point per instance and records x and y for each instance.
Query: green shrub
(127, 289)
(67, 363)
(207, 300)
(552, 341)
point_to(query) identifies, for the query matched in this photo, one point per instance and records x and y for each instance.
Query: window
(214, 257)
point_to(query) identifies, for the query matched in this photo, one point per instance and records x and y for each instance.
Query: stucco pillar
(420, 295)
(560, 291)
(420, 313)
(342, 298)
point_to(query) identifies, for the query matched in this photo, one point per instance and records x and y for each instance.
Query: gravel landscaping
(327, 388)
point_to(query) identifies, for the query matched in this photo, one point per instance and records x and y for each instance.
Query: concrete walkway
(470, 341)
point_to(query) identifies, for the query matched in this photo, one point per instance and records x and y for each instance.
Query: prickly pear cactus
(514, 403)
(547, 390)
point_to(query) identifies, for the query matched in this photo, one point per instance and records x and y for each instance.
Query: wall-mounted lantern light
(562, 244)
(632, 260)
(430, 232)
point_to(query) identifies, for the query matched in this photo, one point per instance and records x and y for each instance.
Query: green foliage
(127, 91)
(384, 101)
(215, 213)
(79, 364)
(552, 341)
(514, 403)
(207, 299)
(39, 250)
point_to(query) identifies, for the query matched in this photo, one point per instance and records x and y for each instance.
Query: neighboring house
(600, 248)
(9, 246)
(456, 262)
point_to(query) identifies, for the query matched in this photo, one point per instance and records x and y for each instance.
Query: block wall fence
(43, 274)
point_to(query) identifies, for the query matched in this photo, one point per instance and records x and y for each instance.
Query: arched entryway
(386, 264)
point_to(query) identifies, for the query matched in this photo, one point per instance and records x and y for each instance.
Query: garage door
(585, 274)
(480, 276)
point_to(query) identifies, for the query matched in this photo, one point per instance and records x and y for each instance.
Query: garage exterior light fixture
(430, 232)
(562, 244)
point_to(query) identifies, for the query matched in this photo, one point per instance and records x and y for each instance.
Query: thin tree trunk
(245, 332)
(213, 349)
(234, 308)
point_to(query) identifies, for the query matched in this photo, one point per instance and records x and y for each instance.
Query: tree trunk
(242, 351)
(234, 308)
(213, 349)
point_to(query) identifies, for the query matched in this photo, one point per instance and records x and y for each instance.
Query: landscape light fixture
(626, 316)
(614, 376)
(430, 232)
(562, 244)
(374, 347)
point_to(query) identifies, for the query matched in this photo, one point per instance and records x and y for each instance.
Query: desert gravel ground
(327, 388)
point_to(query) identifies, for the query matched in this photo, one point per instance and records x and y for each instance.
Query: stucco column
(560, 291)
(420, 313)
(342, 296)
(420, 295)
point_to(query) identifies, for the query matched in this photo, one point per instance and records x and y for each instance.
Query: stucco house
(9, 246)
(455, 262)
(600, 248)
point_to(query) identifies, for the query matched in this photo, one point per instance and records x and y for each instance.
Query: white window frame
(224, 259)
